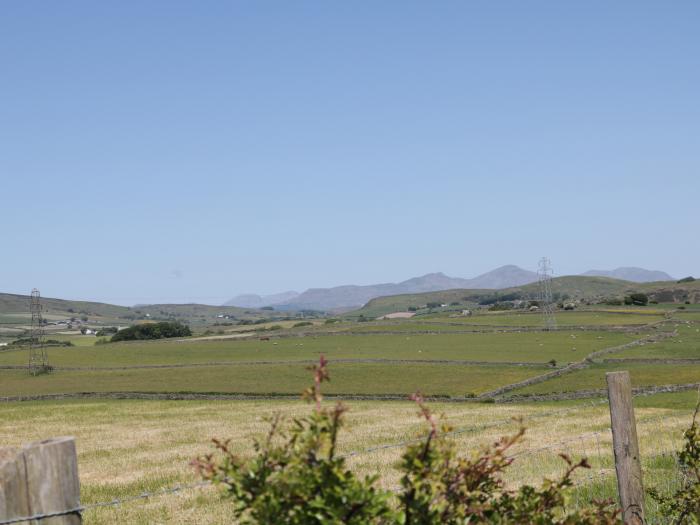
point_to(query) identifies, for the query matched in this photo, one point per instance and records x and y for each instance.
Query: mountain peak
(349, 296)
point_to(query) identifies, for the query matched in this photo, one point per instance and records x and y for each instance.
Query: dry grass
(127, 447)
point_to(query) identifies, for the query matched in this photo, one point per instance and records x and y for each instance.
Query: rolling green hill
(574, 286)
(14, 311)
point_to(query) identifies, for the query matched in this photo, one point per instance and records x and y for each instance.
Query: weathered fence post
(628, 465)
(39, 479)
(13, 486)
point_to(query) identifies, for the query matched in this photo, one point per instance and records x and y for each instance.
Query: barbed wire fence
(601, 467)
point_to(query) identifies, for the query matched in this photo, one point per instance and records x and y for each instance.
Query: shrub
(301, 480)
(26, 341)
(296, 478)
(433, 304)
(152, 331)
(500, 307)
(688, 279)
(330, 321)
(302, 323)
(637, 299)
(495, 298)
(412, 308)
(107, 330)
(683, 506)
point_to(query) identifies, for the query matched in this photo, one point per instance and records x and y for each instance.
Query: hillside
(14, 304)
(14, 310)
(575, 286)
(673, 292)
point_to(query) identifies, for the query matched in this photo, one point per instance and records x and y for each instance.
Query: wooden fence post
(628, 465)
(41, 478)
(13, 485)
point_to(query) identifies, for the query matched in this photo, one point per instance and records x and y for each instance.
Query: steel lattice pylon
(544, 275)
(38, 359)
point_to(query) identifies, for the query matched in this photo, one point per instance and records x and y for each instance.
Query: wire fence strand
(600, 474)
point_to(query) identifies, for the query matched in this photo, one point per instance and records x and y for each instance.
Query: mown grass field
(127, 447)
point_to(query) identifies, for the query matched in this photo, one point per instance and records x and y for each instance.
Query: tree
(637, 299)
(152, 331)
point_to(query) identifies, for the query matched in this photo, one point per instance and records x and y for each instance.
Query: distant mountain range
(354, 296)
(252, 300)
(630, 273)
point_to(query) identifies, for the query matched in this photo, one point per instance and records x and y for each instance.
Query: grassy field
(532, 347)
(564, 319)
(594, 377)
(127, 447)
(356, 378)
(685, 346)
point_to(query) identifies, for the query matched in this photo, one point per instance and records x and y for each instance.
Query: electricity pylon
(38, 359)
(544, 276)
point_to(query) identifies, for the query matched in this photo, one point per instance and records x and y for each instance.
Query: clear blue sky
(175, 151)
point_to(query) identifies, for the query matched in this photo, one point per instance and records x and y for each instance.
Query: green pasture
(684, 346)
(564, 319)
(529, 347)
(289, 378)
(411, 326)
(594, 377)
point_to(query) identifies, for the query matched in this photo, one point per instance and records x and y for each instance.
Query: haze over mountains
(352, 296)
(631, 273)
